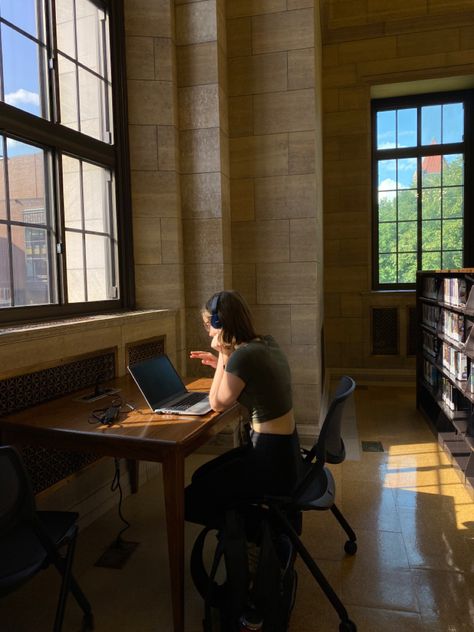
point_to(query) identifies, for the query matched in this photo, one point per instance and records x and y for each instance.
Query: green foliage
(442, 202)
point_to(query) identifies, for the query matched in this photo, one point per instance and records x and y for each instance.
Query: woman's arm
(225, 387)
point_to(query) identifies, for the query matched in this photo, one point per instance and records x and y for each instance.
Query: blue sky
(440, 123)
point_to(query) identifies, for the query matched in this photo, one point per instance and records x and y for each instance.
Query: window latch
(59, 248)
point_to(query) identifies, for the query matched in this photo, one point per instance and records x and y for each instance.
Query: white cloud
(386, 189)
(22, 97)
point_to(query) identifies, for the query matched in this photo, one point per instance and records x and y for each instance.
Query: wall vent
(385, 331)
(145, 349)
(47, 466)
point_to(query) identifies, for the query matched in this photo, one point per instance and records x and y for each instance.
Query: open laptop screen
(158, 380)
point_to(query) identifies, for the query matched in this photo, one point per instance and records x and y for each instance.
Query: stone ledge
(14, 333)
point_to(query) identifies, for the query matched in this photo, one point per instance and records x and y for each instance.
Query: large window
(63, 178)
(421, 201)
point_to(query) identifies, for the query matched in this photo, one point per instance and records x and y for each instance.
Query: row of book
(452, 325)
(454, 361)
(452, 398)
(431, 344)
(430, 315)
(452, 291)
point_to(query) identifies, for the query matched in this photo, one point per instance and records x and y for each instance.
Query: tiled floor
(413, 572)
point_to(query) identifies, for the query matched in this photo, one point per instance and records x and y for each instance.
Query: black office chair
(316, 490)
(30, 540)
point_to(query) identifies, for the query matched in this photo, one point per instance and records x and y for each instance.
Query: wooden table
(138, 434)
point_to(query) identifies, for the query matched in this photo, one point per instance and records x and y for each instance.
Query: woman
(252, 370)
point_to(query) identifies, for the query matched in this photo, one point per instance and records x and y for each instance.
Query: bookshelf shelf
(445, 361)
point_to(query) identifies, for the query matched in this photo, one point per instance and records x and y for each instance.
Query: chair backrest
(17, 501)
(329, 446)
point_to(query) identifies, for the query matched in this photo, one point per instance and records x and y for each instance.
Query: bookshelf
(445, 362)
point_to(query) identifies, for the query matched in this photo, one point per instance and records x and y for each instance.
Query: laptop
(165, 391)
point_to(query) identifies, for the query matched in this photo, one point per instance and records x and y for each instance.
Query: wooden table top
(139, 433)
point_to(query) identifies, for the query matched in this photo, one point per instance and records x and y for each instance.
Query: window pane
(23, 64)
(431, 203)
(96, 207)
(388, 237)
(3, 201)
(66, 33)
(406, 173)
(387, 173)
(452, 259)
(30, 266)
(407, 204)
(431, 171)
(72, 192)
(453, 123)
(387, 268)
(386, 129)
(26, 180)
(387, 207)
(407, 268)
(75, 267)
(92, 101)
(5, 292)
(89, 41)
(22, 13)
(431, 235)
(68, 93)
(431, 261)
(98, 270)
(406, 128)
(431, 124)
(453, 202)
(452, 234)
(407, 237)
(453, 169)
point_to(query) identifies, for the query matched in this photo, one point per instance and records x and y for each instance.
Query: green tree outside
(442, 210)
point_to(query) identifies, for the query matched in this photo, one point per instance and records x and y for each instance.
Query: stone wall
(368, 44)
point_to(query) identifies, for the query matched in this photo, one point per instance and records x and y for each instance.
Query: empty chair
(31, 540)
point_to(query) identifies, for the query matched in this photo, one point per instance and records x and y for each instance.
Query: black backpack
(270, 590)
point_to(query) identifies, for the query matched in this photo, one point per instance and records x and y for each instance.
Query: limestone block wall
(275, 182)
(367, 44)
(204, 159)
(154, 156)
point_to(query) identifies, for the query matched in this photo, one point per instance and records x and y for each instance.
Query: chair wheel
(347, 626)
(87, 622)
(350, 547)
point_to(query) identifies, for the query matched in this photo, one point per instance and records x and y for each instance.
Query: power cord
(108, 416)
(119, 542)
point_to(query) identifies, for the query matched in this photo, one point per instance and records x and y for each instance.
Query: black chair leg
(350, 546)
(314, 569)
(66, 582)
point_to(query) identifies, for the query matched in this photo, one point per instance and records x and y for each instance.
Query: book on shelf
(451, 324)
(453, 399)
(431, 315)
(430, 287)
(453, 291)
(430, 343)
(454, 361)
(430, 373)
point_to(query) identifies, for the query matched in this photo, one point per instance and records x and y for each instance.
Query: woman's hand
(207, 358)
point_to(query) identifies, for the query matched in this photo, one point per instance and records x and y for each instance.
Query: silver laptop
(165, 391)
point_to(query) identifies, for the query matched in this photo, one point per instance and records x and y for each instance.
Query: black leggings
(267, 465)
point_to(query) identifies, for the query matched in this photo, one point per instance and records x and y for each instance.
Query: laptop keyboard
(187, 402)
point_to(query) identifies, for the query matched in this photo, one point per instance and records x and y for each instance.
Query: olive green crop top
(263, 367)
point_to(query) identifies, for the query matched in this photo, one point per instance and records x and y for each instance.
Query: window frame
(418, 101)
(58, 139)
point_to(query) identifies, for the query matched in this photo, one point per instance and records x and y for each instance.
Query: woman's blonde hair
(234, 316)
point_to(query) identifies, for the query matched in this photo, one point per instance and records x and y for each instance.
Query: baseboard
(373, 377)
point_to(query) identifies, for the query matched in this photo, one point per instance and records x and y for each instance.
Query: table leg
(173, 483)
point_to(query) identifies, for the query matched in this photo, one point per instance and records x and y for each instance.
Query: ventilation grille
(412, 333)
(145, 350)
(385, 331)
(46, 466)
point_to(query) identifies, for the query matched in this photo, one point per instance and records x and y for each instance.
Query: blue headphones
(215, 320)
